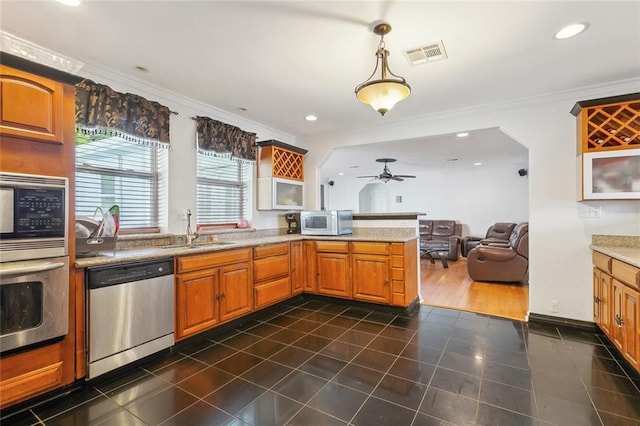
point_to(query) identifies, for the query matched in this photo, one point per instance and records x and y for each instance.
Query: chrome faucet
(191, 236)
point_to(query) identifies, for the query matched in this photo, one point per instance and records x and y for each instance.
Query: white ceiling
(282, 60)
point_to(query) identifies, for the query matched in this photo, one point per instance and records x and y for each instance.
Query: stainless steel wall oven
(34, 261)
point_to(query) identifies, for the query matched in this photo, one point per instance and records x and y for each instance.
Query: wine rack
(280, 160)
(609, 126)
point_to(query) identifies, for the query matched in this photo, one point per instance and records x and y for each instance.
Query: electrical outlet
(587, 211)
(553, 307)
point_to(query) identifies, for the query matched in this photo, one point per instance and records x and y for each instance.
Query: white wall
(560, 258)
(475, 197)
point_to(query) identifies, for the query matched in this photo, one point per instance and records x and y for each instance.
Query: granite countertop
(163, 252)
(625, 248)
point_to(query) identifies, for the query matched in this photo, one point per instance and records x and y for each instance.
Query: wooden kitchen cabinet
(211, 288)
(197, 303)
(310, 282)
(371, 270)
(271, 274)
(298, 272)
(333, 268)
(602, 283)
(32, 106)
(608, 123)
(617, 304)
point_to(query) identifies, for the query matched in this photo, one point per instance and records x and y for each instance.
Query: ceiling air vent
(427, 53)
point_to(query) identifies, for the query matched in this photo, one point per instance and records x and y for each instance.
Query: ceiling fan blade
(406, 176)
(368, 176)
(397, 178)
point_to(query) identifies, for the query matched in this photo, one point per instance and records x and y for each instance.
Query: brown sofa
(497, 231)
(440, 235)
(502, 261)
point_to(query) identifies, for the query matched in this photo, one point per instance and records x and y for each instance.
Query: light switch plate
(586, 211)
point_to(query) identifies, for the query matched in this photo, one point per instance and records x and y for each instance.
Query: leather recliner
(440, 235)
(497, 231)
(502, 261)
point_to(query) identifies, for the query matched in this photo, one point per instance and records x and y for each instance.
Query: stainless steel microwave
(326, 222)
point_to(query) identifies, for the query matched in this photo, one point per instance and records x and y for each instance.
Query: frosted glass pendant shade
(382, 95)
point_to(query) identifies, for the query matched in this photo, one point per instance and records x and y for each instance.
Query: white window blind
(113, 171)
(222, 189)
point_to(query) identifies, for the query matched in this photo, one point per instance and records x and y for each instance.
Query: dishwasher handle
(30, 269)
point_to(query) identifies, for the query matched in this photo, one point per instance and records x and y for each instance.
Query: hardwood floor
(453, 288)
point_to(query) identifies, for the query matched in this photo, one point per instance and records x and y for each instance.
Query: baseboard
(566, 322)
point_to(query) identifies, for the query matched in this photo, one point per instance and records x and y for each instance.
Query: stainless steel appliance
(327, 222)
(130, 313)
(34, 262)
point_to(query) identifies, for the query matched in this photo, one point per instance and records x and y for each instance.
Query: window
(111, 171)
(222, 189)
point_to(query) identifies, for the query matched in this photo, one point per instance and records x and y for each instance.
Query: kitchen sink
(198, 245)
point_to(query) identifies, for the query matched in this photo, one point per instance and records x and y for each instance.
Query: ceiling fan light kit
(383, 93)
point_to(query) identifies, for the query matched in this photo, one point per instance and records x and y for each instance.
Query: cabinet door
(298, 274)
(271, 292)
(371, 278)
(333, 274)
(631, 320)
(234, 291)
(32, 106)
(603, 300)
(196, 304)
(617, 315)
(310, 282)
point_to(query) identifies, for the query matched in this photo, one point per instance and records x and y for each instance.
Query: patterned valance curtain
(221, 139)
(103, 112)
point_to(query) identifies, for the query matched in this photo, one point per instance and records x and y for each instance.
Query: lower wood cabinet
(271, 274)
(616, 309)
(371, 272)
(298, 273)
(212, 288)
(333, 269)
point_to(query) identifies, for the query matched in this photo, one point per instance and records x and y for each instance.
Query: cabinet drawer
(397, 248)
(602, 261)
(370, 248)
(397, 261)
(333, 246)
(397, 274)
(31, 383)
(271, 292)
(270, 250)
(626, 273)
(270, 267)
(208, 260)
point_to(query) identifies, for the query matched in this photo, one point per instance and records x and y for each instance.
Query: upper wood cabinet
(32, 106)
(608, 148)
(280, 160)
(609, 123)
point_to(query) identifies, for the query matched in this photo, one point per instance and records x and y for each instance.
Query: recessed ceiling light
(341, 174)
(462, 134)
(353, 167)
(311, 117)
(241, 109)
(452, 159)
(477, 163)
(141, 68)
(570, 30)
(73, 3)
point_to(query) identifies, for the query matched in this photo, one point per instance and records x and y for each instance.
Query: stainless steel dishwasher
(129, 313)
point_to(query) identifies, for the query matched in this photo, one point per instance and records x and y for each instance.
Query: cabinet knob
(386, 282)
(619, 321)
(596, 299)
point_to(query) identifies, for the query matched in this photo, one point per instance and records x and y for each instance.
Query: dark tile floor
(315, 363)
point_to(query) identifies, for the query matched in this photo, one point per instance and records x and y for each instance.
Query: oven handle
(30, 269)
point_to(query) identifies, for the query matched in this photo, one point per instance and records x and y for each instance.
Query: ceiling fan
(386, 174)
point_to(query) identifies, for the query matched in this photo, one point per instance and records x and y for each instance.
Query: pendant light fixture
(382, 94)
